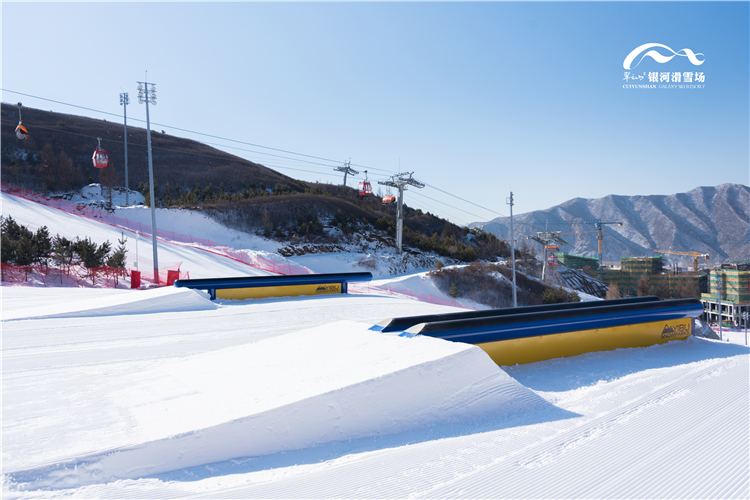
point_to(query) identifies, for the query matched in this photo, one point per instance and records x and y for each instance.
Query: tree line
(22, 247)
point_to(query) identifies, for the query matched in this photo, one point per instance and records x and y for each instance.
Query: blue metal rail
(213, 284)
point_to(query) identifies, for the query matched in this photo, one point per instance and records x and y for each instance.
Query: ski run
(163, 393)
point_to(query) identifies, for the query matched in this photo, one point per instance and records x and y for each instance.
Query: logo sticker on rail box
(671, 331)
(334, 288)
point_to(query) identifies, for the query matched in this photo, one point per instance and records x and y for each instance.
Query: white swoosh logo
(660, 58)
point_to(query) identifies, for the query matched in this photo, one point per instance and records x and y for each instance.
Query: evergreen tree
(118, 257)
(453, 292)
(62, 251)
(43, 245)
(25, 252)
(91, 254)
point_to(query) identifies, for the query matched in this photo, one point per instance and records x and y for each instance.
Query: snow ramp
(156, 300)
(333, 383)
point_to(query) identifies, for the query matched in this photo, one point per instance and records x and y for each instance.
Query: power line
(175, 128)
(254, 145)
(443, 203)
(467, 201)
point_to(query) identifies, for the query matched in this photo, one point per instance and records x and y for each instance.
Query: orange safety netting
(69, 276)
(251, 259)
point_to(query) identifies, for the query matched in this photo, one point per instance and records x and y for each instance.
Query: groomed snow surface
(163, 393)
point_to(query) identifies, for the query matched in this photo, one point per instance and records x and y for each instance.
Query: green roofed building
(577, 261)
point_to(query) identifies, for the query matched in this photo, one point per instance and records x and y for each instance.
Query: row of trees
(22, 247)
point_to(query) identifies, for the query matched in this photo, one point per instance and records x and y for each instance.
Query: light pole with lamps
(148, 95)
(124, 101)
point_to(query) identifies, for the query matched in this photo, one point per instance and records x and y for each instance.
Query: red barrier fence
(101, 277)
(250, 259)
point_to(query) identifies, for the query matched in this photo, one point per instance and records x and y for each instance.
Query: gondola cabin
(389, 198)
(551, 257)
(365, 188)
(100, 157)
(21, 132)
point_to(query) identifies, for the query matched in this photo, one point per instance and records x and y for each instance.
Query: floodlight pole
(149, 97)
(124, 101)
(513, 248)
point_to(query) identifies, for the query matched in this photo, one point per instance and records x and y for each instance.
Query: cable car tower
(548, 240)
(347, 169)
(400, 181)
(21, 131)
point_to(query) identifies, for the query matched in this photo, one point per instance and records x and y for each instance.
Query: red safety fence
(70, 276)
(251, 259)
(37, 274)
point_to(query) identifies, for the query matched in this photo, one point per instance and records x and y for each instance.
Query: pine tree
(454, 291)
(43, 245)
(25, 252)
(91, 254)
(118, 257)
(62, 251)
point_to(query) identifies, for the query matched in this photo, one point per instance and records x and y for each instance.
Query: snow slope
(165, 394)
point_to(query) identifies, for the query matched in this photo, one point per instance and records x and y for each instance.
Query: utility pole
(400, 181)
(347, 169)
(509, 201)
(148, 95)
(124, 101)
(547, 238)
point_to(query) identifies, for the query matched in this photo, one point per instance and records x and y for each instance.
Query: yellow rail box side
(532, 349)
(277, 291)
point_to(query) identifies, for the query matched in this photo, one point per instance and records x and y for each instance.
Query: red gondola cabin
(100, 157)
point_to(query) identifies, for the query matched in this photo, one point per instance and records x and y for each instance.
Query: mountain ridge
(708, 219)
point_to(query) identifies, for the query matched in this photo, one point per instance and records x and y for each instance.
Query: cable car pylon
(347, 169)
(400, 181)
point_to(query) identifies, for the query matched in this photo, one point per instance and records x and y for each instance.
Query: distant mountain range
(712, 220)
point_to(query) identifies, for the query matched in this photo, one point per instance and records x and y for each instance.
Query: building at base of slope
(728, 299)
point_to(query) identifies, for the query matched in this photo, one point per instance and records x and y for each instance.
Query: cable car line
(467, 201)
(443, 203)
(224, 158)
(177, 128)
(246, 143)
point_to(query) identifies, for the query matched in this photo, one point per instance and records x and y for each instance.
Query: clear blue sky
(477, 99)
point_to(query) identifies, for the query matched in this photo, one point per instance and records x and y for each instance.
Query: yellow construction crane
(695, 256)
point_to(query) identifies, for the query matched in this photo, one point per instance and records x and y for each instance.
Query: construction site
(724, 291)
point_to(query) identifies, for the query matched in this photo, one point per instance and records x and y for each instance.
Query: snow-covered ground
(163, 393)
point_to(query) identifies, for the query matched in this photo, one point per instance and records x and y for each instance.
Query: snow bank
(157, 300)
(332, 383)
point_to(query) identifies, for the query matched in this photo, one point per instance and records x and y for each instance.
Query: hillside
(713, 220)
(176, 161)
